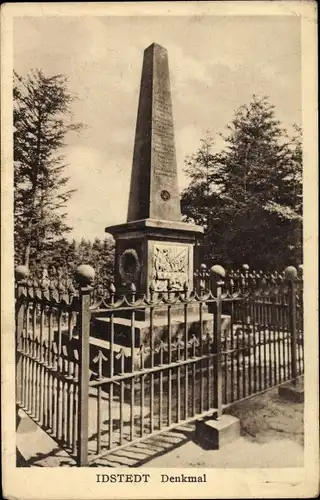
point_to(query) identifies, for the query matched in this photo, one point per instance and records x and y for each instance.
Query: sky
(216, 64)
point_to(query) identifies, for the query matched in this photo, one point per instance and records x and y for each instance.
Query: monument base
(101, 333)
(213, 434)
(101, 328)
(100, 336)
(123, 336)
(291, 392)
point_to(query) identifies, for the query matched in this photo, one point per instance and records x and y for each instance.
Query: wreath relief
(129, 264)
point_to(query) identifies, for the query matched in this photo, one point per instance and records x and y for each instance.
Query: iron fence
(47, 376)
(98, 371)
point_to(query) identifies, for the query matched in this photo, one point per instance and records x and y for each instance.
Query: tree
(42, 119)
(103, 260)
(100, 255)
(200, 200)
(256, 210)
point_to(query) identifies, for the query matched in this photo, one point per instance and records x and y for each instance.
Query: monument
(154, 246)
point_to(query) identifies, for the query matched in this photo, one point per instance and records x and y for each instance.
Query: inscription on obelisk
(154, 190)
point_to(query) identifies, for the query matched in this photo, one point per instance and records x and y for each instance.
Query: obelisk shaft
(154, 190)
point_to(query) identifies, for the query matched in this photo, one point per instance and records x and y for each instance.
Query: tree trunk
(27, 254)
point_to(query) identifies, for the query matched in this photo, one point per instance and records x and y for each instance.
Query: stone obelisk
(154, 245)
(154, 190)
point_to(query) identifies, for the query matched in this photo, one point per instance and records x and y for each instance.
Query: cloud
(186, 68)
(102, 191)
(216, 64)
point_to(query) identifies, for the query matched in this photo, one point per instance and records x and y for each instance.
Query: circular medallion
(165, 195)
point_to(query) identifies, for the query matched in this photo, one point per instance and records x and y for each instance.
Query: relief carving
(170, 263)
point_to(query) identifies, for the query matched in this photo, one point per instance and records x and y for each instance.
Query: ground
(271, 436)
(267, 417)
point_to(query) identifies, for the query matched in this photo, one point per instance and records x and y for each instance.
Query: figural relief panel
(170, 262)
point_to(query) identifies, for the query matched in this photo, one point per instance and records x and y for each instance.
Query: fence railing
(98, 371)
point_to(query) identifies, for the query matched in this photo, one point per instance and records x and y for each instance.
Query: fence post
(290, 276)
(21, 273)
(84, 275)
(218, 274)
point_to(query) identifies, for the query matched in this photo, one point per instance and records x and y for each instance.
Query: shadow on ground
(264, 419)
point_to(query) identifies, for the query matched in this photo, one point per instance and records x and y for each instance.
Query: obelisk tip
(155, 46)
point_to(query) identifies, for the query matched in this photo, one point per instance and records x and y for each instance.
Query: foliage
(65, 256)
(248, 196)
(42, 119)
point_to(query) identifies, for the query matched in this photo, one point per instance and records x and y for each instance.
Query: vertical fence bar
(300, 328)
(42, 372)
(218, 273)
(259, 343)
(111, 373)
(288, 337)
(253, 316)
(50, 373)
(151, 360)
(232, 312)
(75, 386)
(208, 352)
(132, 408)
(20, 314)
(243, 345)
(193, 355)
(83, 378)
(169, 409)
(270, 336)
(121, 356)
(274, 348)
(25, 359)
(178, 382)
(238, 362)
(265, 324)
(45, 384)
(160, 385)
(33, 355)
(291, 275)
(142, 389)
(249, 344)
(99, 359)
(39, 398)
(186, 354)
(283, 312)
(279, 333)
(201, 348)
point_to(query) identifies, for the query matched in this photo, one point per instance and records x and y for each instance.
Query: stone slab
(122, 328)
(36, 447)
(213, 434)
(100, 338)
(25, 425)
(151, 226)
(291, 392)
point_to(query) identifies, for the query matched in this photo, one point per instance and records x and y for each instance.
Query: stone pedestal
(154, 252)
(291, 392)
(213, 434)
